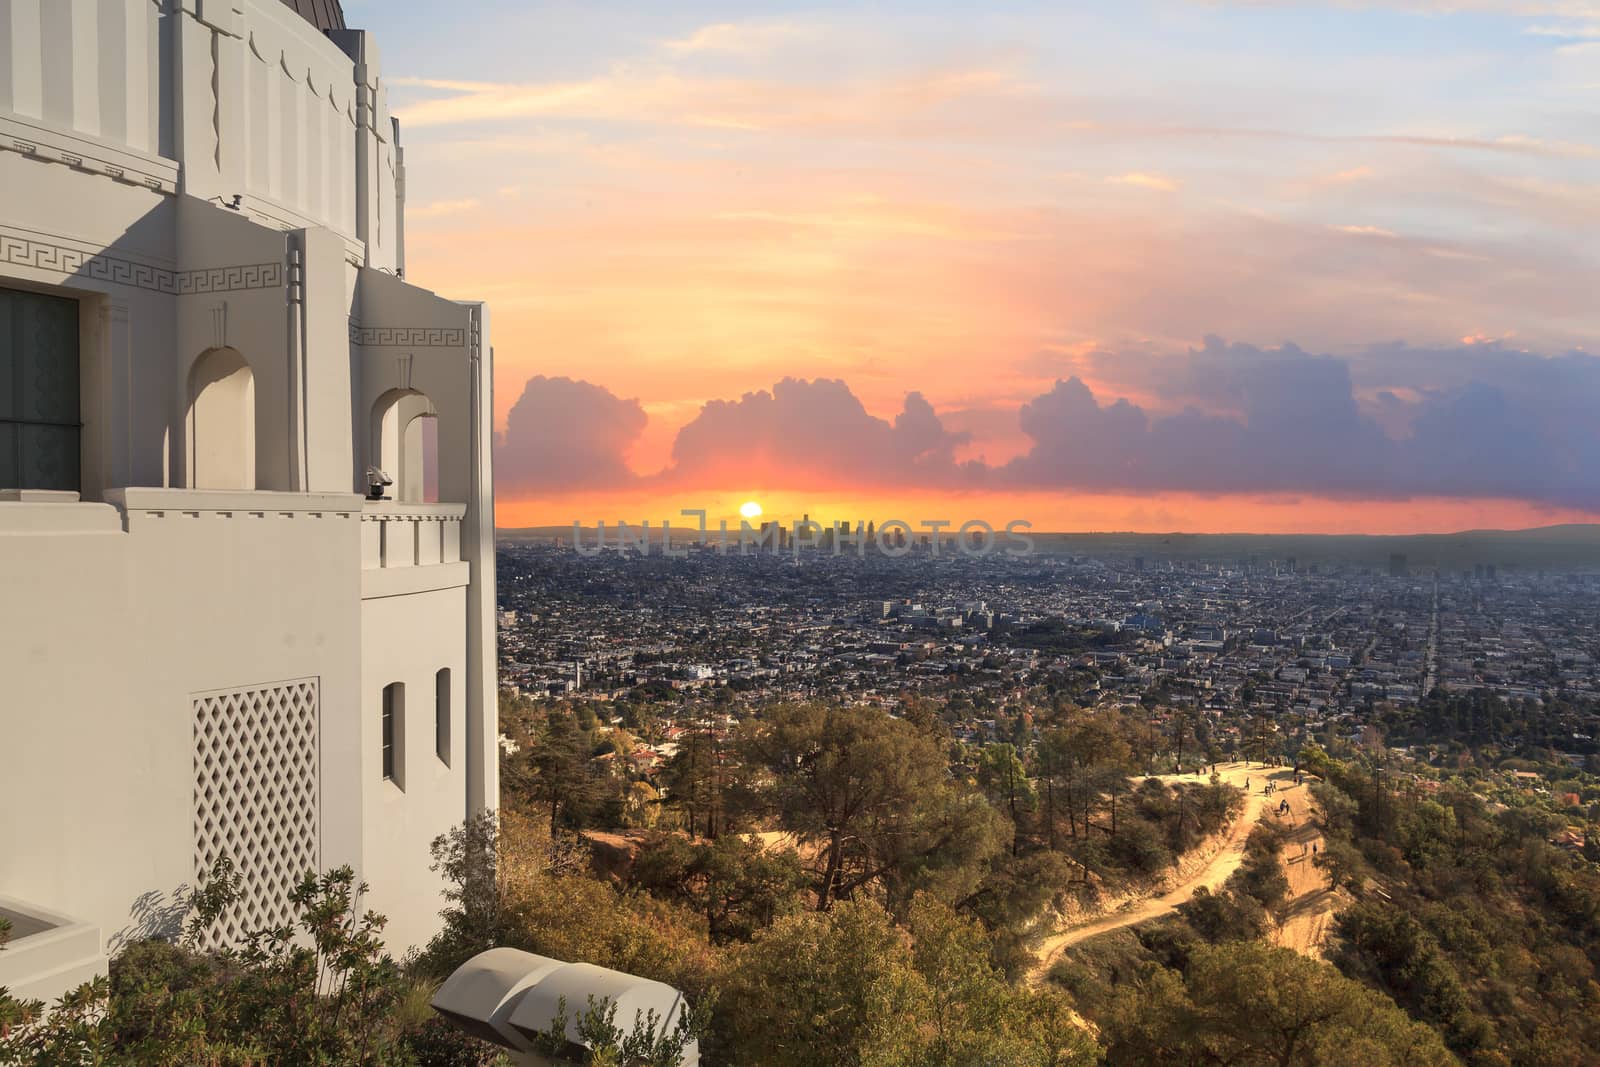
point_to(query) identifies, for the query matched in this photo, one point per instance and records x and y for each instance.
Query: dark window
(39, 418)
(394, 719)
(441, 715)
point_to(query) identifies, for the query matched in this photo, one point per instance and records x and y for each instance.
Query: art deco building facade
(210, 641)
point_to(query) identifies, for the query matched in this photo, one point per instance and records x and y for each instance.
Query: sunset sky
(1116, 266)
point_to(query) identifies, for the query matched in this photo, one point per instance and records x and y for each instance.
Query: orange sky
(685, 211)
(1048, 512)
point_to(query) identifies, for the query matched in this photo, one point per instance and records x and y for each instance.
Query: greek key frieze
(64, 259)
(407, 336)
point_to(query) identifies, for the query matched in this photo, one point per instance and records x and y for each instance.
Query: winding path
(1215, 872)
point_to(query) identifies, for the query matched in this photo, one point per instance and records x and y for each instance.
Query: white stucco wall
(120, 166)
(405, 643)
(111, 631)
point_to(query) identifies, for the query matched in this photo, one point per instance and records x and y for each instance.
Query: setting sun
(750, 510)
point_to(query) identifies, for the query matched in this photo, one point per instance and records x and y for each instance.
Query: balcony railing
(395, 534)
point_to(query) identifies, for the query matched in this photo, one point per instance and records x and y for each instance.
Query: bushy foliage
(1468, 917)
(320, 991)
(850, 987)
(739, 886)
(1250, 1004)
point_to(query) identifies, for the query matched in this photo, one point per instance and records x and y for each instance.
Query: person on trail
(1313, 848)
(1247, 785)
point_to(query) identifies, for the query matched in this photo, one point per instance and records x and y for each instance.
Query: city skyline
(1272, 267)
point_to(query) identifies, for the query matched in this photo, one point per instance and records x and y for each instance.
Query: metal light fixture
(377, 480)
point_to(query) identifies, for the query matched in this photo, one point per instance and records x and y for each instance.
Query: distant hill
(1544, 547)
(1564, 547)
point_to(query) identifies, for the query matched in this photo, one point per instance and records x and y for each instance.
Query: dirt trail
(1307, 918)
(1217, 871)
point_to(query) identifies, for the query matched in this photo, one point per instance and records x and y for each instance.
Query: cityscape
(1307, 648)
(1240, 709)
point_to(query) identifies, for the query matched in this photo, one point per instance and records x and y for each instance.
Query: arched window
(222, 422)
(406, 444)
(441, 715)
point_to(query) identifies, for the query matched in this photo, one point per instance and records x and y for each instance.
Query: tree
(975, 1014)
(848, 780)
(1012, 901)
(1249, 1004)
(736, 884)
(695, 777)
(555, 770)
(848, 987)
(1397, 954)
(1088, 758)
(1004, 779)
(837, 988)
(946, 847)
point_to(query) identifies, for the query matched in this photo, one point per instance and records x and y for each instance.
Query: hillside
(1572, 546)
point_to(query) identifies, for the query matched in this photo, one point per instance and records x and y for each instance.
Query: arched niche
(222, 421)
(405, 444)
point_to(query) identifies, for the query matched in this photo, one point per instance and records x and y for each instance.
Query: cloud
(1366, 231)
(1481, 421)
(986, 99)
(657, 93)
(1527, 8)
(563, 434)
(739, 38)
(1345, 177)
(813, 433)
(1147, 181)
(439, 209)
(1478, 421)
(1574, 31)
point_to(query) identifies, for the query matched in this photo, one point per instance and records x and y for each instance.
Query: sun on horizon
(750, 509)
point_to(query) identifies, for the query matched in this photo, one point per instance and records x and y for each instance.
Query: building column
(477, 542)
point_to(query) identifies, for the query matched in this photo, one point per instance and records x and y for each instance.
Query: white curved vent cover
(255, 798)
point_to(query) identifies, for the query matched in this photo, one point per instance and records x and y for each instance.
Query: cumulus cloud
(1481, 421)
(563, 434)
(1478, 421)
(814, 433)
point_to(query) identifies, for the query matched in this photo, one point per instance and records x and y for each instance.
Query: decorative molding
(407, 336)
(91, 155)
(219, 324)
(231, 279)
(267, 212)
(140, 504)
(64, 259)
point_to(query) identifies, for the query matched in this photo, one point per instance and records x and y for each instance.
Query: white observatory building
(211, 640)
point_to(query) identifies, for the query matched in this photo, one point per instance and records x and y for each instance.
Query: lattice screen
(255, 797)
